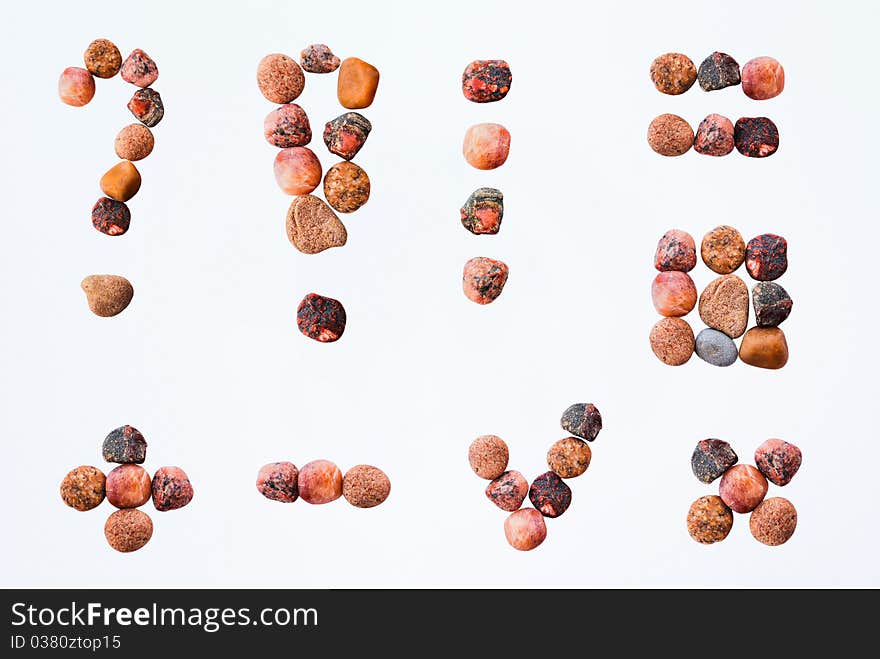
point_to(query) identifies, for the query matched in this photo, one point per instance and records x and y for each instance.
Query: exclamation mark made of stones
(109, 295)
(312, 226)
(485, 147)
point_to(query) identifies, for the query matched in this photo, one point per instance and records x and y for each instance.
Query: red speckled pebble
(714, 136)
(278, 481)
(779, 461)
(171, 488)
(508, 491)
(676, 251)
(483, 279)
(139, 69)
(287, 126)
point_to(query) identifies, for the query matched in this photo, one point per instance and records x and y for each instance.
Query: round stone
(670, 135)
(767, 257)
(711, 458)
(280, 78)
(762, 78)
(134, 142)
(714, 136)
(147, 107)
(318, 58)
(107, 295)
(128, 530)
(278, 481)
(673, 73)
(582, 420)
(672, 340)
(76, 86)
(550, 495)
(715, 347)
(83, 488)
(321, 318)
(525, 529)
(772, 304)
(486, 146)
(171, 488)
(483, 279)
(346, 187)
(139, 69)
(488, 456)
(320, 481)
(128, 486)
(756, 137)
(724, 305)
(287, 126)
(764, 347)
(675, 251)
(357, 83)
(483, 211)
(742, 488)
(312, 226)
(709, 520)
(486, 81)
(111, 217)
(778, 460)
(365, 486)
(508, 491)
(297, 170)
(124, 445)
(673, 294)
(569, 457)
(773, 522)
(723, 250)
(102, 58)
(718, 71)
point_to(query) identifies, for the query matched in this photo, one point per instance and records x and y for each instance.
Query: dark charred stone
(772, 304)
(321, 318)
(346, 134)
(550, 495)
(767, 257)
(711, 458)
(125, 445)
(582, 420)
(483, 211)
(111, 217)
(756, 137)
(718, 71)
(486, 81)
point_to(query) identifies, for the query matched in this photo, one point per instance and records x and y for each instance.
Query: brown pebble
(488, 455)
(569, 457)
(357, 83)
(670, 135)
(525, 529)
(365, 486)
(774, 521)
(764, 347)
(134, 142)
(129, 486)
(121, 182)
(673, 73)
(280, 78)
(128, 530)
(723, 250)
(107, 295)
(312, 226)
(346, 187)
(83, 488)
(102, 58)
(724, 305)
(709, 520)
(508, 491)
(672, 340)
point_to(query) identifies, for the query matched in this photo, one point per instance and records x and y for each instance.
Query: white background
(207, 361)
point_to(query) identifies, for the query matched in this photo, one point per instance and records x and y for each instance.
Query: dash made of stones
(761, 78)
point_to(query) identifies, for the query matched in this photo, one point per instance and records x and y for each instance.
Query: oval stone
(764, 347)
(724, 305)
(672, 340)
(673, 294)
(715, 347)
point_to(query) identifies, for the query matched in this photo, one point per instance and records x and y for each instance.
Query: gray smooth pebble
(715, 347)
